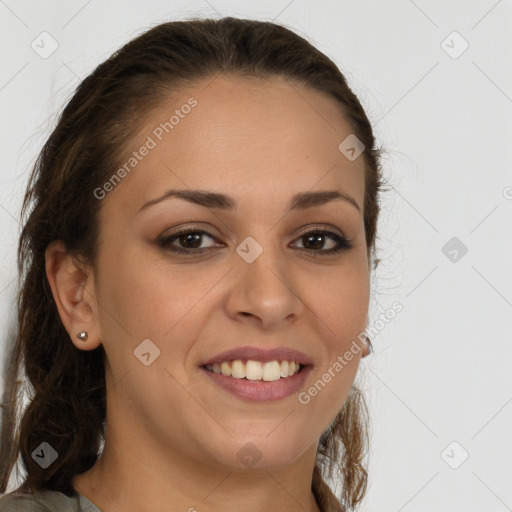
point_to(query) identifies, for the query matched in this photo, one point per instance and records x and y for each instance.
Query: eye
(190, 241)
(315, 238)
(189, 238)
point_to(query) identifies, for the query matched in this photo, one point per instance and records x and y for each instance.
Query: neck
(145, 477)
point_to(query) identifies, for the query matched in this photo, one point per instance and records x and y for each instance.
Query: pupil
(317, 240)
(189, 238)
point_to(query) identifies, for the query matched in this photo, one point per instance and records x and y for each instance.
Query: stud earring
(82, 336)
(369, 345)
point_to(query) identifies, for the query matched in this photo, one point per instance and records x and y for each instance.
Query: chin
(262, 452)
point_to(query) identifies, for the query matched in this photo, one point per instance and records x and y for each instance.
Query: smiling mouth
(268, 371)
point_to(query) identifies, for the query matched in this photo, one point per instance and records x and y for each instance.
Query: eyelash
(343, 243)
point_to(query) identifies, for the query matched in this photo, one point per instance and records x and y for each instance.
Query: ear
(74, 294)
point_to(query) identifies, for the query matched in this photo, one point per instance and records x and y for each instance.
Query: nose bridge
(264, 285)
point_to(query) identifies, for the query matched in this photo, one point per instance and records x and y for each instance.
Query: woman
(195, 282)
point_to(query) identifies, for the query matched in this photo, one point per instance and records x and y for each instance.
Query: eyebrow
(216, 200)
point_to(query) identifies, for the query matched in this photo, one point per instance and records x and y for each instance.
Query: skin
(173, 435)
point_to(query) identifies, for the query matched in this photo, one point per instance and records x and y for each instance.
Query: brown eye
(314, 241)
(189, 241)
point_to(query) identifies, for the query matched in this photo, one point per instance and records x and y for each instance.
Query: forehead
(239, 135)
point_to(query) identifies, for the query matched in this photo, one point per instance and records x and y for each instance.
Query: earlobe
(73, 291)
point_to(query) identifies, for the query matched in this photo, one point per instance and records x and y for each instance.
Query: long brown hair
(67, 403)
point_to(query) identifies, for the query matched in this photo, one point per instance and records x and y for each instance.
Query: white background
(441, 368)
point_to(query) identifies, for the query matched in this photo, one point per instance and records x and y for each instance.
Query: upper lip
(261, 354)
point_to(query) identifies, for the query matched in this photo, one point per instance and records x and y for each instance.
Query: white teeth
(226, 370)
(237, 369)
(256, 370)
(271, 371)
(253, 370)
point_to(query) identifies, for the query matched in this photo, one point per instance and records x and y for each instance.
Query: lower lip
(259, 390)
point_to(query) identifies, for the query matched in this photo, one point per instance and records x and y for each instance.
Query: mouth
(258, 381)
(267, 371)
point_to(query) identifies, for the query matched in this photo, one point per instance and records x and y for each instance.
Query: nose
(264, 292)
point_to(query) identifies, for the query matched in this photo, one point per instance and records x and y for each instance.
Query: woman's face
(259, 281)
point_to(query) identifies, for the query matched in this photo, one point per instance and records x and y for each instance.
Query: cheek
(146, 298)
(131, 305)
(341, 320)
(340, 299)
(340, 305)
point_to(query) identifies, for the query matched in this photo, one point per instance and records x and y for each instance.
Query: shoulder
(15, 502)
(43, 501)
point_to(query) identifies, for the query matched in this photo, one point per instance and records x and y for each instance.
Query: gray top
(46, 501)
